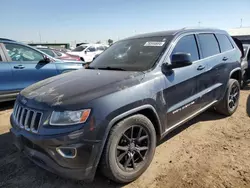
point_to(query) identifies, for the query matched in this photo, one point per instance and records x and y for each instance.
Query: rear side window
(1, 58)
(209, 45)
(187, 44)
(224, 42)
(101, 48)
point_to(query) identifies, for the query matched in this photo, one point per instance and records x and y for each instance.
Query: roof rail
(7, 39)
(185, 28)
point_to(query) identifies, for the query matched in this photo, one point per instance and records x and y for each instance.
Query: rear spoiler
(240, 46)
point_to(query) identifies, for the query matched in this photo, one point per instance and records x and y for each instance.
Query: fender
(231, 73)
(120, 117)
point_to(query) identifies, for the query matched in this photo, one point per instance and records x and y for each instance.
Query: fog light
(67, 152)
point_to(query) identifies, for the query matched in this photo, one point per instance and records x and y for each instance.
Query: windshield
(132, 55)
(79, 48)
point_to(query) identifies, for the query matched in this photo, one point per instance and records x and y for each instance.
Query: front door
(26, 66)
(5, 75)
(181, 95)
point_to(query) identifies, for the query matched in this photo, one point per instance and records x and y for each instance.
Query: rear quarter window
(209, 44)
(225, 44)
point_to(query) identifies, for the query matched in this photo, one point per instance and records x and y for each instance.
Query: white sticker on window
(152, 43)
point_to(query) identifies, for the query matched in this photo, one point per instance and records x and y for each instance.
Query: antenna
(241, 22)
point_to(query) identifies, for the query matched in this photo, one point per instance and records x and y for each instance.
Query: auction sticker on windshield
(153, 43)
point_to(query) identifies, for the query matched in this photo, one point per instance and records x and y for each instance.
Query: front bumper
(42, 151)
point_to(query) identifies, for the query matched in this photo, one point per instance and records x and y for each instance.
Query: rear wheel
(230, 101)
(129, 149)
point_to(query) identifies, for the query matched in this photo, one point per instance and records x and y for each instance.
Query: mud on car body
(112, 114)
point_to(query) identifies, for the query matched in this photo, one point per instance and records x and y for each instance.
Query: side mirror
(180, 60)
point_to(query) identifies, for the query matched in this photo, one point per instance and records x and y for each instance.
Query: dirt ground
(209, 151)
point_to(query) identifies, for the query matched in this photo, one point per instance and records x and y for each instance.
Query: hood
(80, 86)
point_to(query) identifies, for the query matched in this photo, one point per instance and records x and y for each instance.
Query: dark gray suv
(112, 113)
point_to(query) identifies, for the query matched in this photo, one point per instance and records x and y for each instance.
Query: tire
(224, 107)
(111, 166)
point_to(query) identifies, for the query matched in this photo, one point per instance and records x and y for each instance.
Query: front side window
(224, 42)
(209, 44)
(138, 54)
(22, 53)
(187, 44)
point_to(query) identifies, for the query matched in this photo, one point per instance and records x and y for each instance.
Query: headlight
(69, 117)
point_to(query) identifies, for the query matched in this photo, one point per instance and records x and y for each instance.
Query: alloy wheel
(132, 148)
(233, 97)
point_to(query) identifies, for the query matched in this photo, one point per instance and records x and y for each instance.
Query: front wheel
(129, 149)
(230, 101)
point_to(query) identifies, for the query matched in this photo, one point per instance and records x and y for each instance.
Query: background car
(59, 54)
(22, 65)
(245, 64)
(88, 51)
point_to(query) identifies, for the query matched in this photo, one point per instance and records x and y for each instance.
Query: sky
(98, 20)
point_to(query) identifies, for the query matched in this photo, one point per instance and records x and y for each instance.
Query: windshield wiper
(111, 68)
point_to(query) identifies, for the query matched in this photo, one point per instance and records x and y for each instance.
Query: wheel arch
(148, 110)
(236, 74)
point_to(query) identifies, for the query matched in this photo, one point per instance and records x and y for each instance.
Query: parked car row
(65, 56)
(110, 115)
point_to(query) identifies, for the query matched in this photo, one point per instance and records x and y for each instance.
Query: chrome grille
(26, 118)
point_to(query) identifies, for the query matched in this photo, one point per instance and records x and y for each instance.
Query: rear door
(211, 84)
(5, 75)
(26, 65)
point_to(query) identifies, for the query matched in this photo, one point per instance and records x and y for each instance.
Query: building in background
(241, 33)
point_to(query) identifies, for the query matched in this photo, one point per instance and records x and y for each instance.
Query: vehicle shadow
(205, 116)
(6, 105)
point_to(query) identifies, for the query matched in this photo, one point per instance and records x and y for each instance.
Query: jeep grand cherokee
(112, 113)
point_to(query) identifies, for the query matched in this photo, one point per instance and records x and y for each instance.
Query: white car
(88, 51)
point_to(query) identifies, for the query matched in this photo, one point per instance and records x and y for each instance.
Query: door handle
(200, 67)
(18, 67)
(225, 58)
